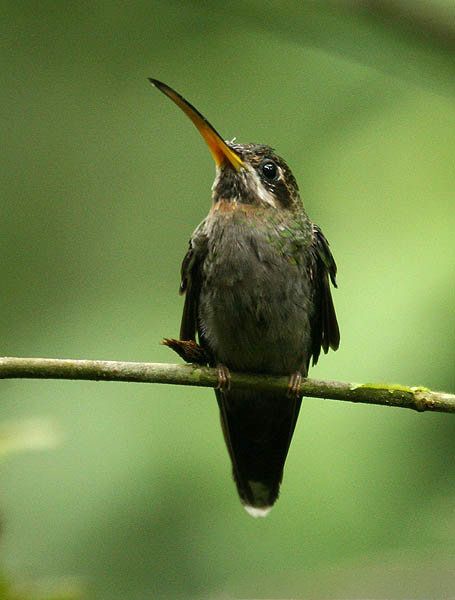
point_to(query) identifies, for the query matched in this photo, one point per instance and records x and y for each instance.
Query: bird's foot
(224, 378)
(188, 350)
(294, 385)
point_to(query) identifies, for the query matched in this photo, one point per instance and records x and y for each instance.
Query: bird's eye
(269, 170)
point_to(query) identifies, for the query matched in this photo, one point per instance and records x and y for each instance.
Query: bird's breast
(256, 300)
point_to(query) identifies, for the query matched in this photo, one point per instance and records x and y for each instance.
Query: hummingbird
(256, 279)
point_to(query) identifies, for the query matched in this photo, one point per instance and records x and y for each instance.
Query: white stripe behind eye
(260, 190)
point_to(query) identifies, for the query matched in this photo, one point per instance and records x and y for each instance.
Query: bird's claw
(188, 350)
(224, 378)
(294, 385)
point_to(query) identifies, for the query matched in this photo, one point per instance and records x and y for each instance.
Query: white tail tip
(256, 512)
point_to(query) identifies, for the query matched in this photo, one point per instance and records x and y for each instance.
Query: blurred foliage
(33, 434)
(103, 181)
(27, 434)
(60, 590)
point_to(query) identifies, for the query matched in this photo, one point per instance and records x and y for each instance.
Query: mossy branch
(416, 398)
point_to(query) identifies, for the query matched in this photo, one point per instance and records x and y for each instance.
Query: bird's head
(245, 173)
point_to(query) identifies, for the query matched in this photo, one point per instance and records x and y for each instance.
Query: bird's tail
(258, 429)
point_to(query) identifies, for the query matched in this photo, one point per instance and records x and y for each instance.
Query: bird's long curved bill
(221, 152)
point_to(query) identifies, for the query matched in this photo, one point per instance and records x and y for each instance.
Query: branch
(417, 398)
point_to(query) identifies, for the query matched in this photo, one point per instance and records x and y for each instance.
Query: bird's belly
(255, 314)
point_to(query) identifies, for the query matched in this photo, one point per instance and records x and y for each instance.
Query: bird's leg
(188, 350)
(192, 352)
(295, 382)
(224, 378)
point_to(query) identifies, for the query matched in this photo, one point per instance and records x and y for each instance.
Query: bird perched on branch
(257, 298)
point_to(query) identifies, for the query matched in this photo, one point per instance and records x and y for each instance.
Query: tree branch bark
(416, 398)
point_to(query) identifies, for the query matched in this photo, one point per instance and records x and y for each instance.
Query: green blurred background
(128, 492)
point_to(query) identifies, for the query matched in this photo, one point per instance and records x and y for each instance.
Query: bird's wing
(325, 331)
(190, 285)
